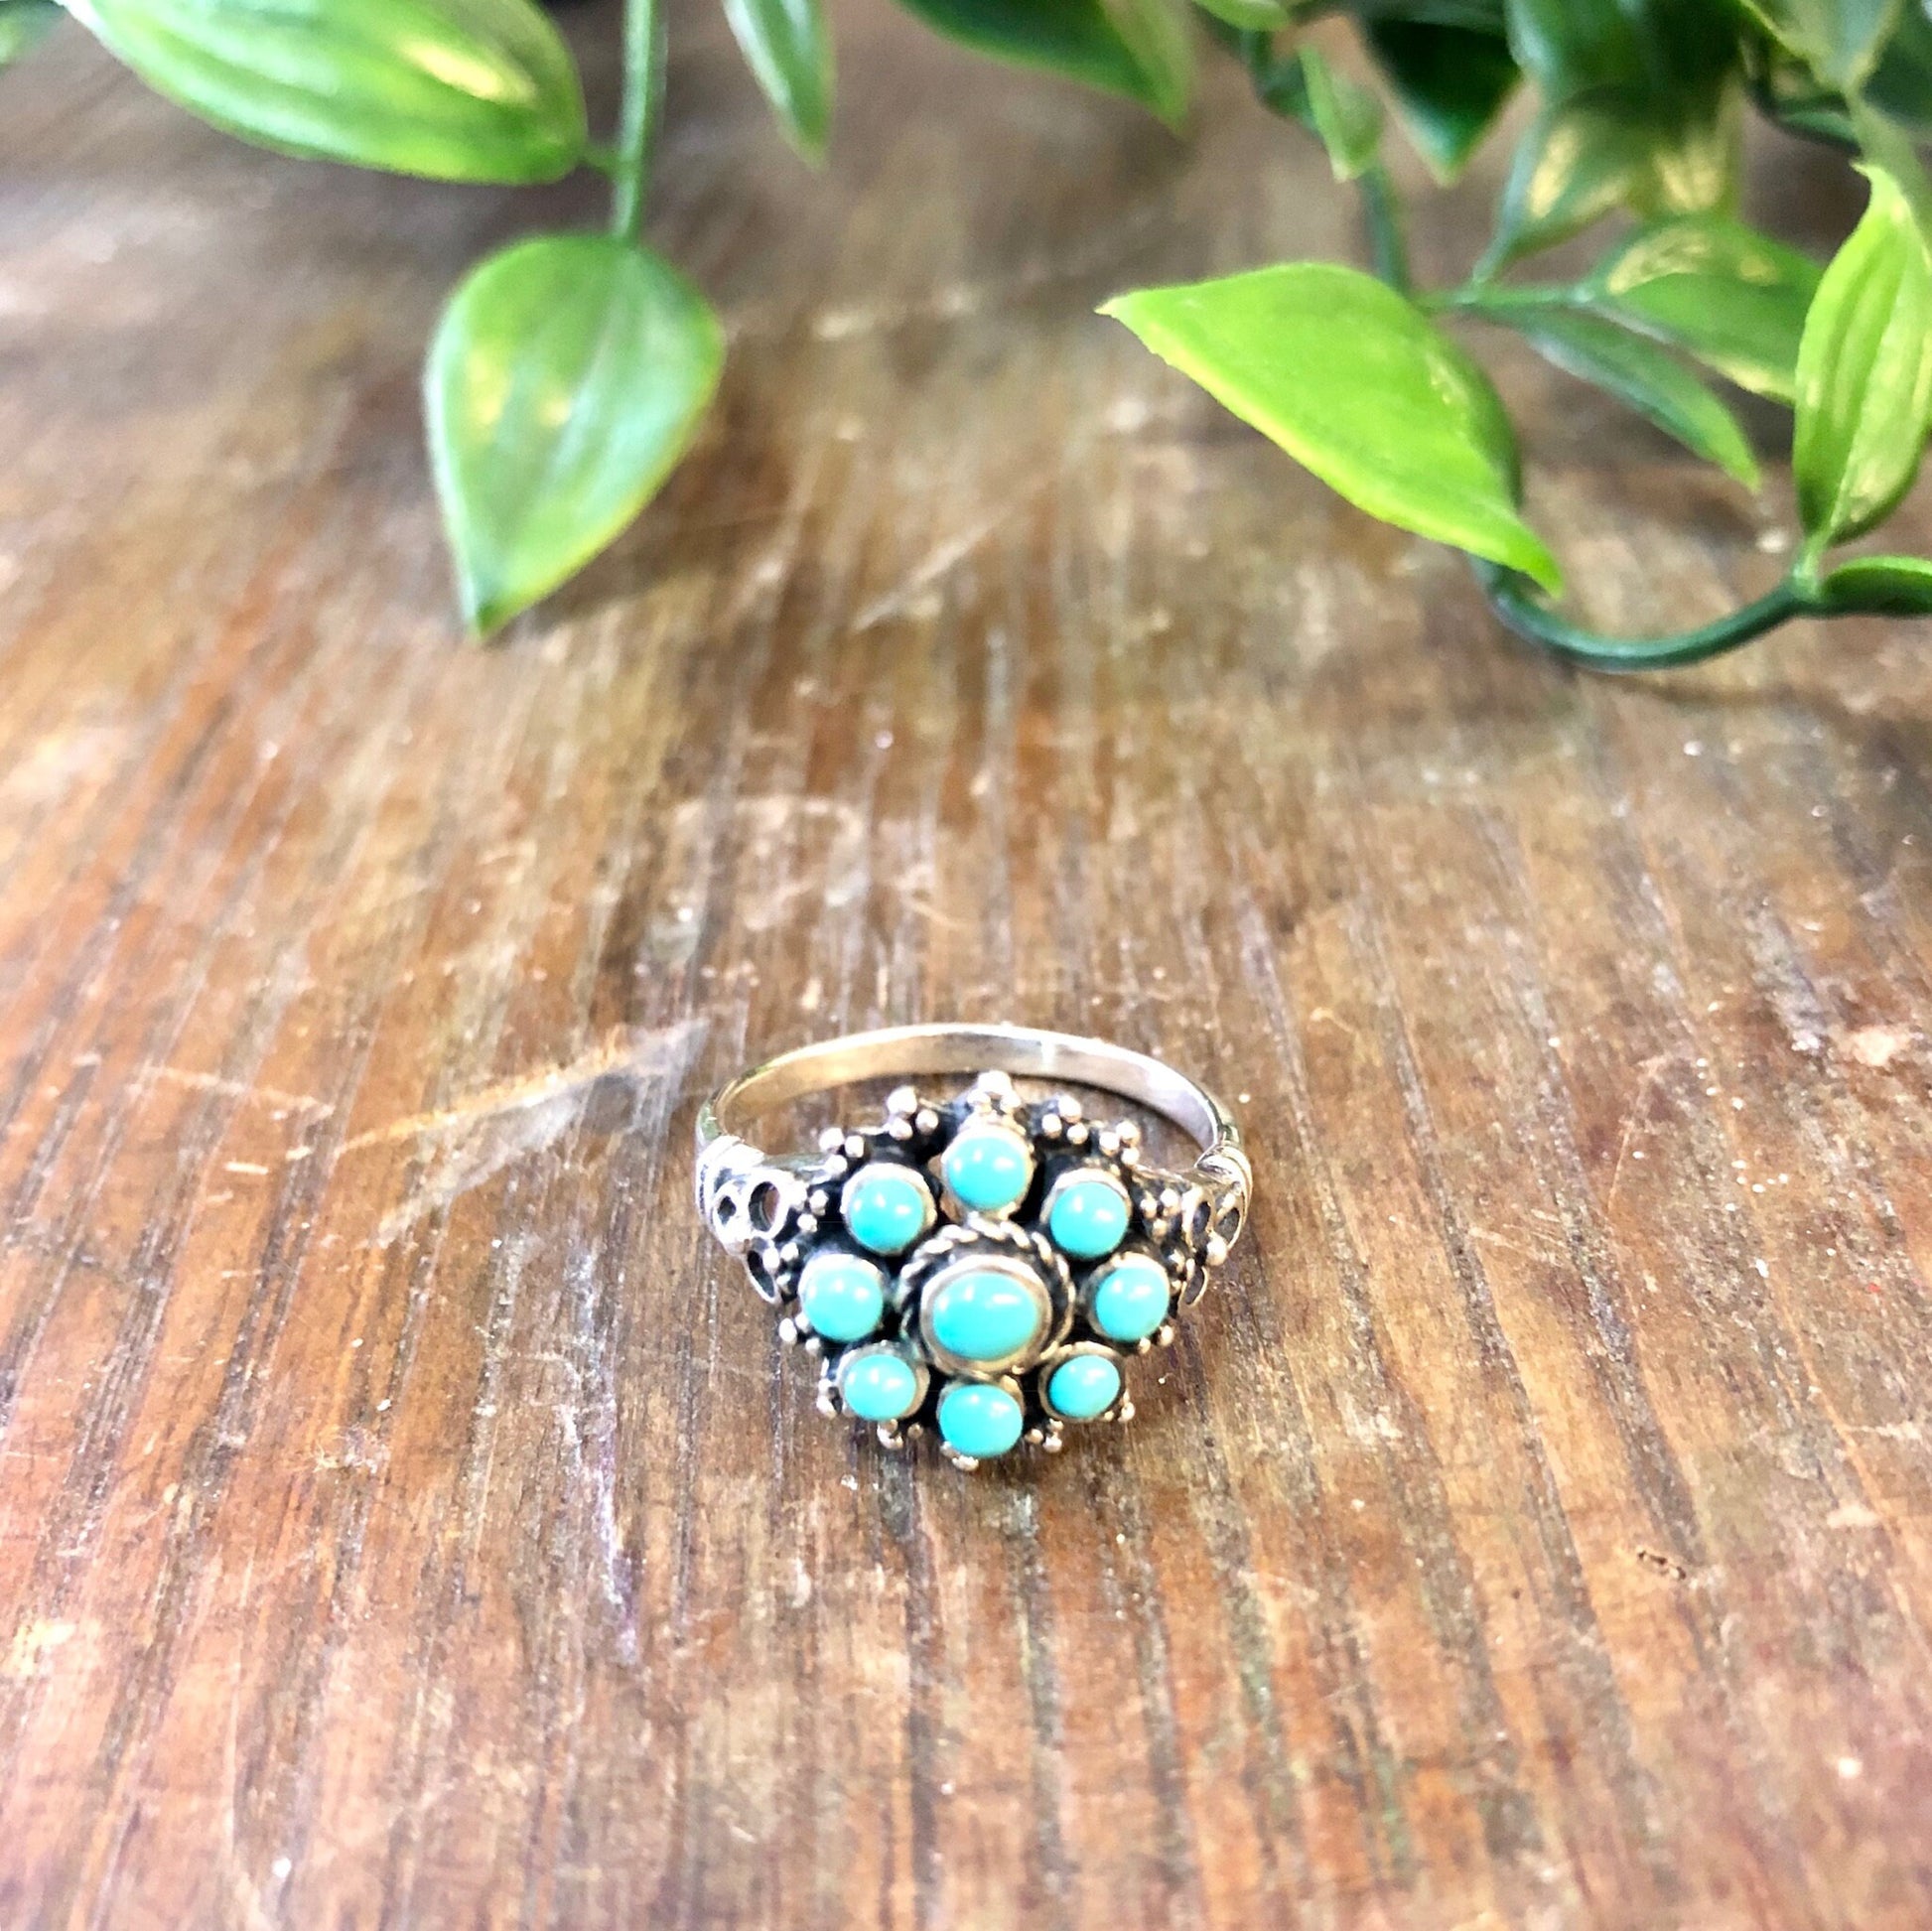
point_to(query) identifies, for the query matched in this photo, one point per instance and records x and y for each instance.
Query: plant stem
(1512, 596)
(1515, 604)
(644, 89)
(1388, 246)
(1472, 298)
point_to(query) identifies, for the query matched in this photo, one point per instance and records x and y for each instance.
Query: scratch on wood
(304, 1104)
(1646, 1078)
(493, 1129)
(663, 1054)
(937, 562)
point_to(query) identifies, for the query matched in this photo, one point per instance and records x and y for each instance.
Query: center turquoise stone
(886, 1207)
(1087, 1214)
(984, 1315)
(989, 1166)
(979, 1420)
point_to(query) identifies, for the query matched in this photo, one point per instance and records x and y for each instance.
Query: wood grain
(406, 1519)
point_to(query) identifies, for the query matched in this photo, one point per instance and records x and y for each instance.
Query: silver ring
(983, 1265)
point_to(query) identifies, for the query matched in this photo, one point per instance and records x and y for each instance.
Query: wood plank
(409, 1519)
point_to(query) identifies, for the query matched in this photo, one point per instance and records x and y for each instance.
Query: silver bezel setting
(981, 1246)
(958, 1457)
(1084, 1173)
(1120, 1409)
(1096, 1274)
(831, 1397)
(857, 1169)
(987, 1119)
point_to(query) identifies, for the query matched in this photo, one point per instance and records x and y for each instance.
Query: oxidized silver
(966, 1269)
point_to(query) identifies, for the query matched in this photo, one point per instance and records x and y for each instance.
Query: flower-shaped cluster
(986, 1268)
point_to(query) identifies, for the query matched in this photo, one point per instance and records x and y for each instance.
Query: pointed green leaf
(1734, 297)
(789, 51)
(1838, 39)
(1815, 112)
(1450, 85)
(1135, 48)
(1158, 33)
(1880, 585)
(1637, 372)
(455, 89)
(1573, 165)
(1357, 383)
(566, 379)
(1347, 117)
(1664, 52)
(22, 22)
(1865, 374)
(1898, 88)
(1572, 47)
(1602, 151)
(1639, 111)
(1901, 84)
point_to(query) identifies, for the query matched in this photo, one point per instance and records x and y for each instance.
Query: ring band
(984, 1265)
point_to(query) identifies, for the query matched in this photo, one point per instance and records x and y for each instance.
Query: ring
(983, 1265)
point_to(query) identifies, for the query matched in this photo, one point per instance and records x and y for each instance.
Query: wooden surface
(407, 1519)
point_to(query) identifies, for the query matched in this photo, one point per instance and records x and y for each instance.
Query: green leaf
(1158, 35)
(1865, 374)
(1734, 297)
(1840, 39)
(1639, 111)
(1573, 165)
(1349, 118)
(1357, 383)
(1795, 100)
(1636, 371)
(1901, 84)
(1135, 48)
(1574, 45)
(1662, 50)
(455, 89)
(1450, 85)
(567, 377)
(1599, 152)
(1881, 587)
(1898, 86)
(788, 50)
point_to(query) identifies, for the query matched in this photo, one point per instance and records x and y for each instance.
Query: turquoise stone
(843, 1295)
(1088, 1216)
(1129, 1301)
(978, 1420)
(983, 1316)
(886, 1207)
(988, 1167)
(1083, 1386)
(878, 1385)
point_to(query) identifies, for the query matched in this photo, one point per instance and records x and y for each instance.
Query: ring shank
(901, 1051)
